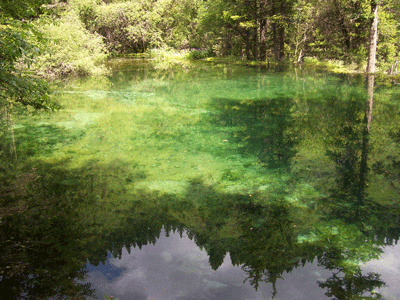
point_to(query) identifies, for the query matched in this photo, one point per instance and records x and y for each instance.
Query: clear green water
(219, 173)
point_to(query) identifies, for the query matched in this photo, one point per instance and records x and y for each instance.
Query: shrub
(136, 26)
(71, 49)
(200, 53)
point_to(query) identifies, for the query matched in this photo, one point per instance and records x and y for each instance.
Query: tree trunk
(365, 141)
(278, 30)
(256, 31)
(341, 19)
(373, 38)
(282, 32)
(281, 43)
(263, 47)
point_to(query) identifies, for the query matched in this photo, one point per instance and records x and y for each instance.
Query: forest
(56, 38)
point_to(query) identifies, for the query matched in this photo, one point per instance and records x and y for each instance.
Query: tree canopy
(20, 41)
(262, 30)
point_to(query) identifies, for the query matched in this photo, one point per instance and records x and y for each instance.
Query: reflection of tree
(347, 281)
(82, 213)
(40, 250)
(258, 237)
(346, 150)
(351, 149)
(55, 219)
(350, 286)
(365, 141)
(263, 127)
(70, 225)
(350, 153)
(266, 247)
(267, 243)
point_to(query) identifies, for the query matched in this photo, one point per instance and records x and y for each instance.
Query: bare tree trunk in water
(373, 37)
(365, 141)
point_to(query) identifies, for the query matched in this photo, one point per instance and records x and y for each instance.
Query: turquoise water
(204, 181)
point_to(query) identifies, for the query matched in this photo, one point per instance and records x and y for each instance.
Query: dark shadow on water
(262, 127)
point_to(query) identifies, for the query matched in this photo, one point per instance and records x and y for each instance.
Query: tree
(17, 85)
(249, 28)
(135, 26)
(20, 9)
(373, 37)
(303, 28)
(19, 46)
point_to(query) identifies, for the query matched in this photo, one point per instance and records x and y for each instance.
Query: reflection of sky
(388, 266)
(175, 268)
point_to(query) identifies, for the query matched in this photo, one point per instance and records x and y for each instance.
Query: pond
(204, 181)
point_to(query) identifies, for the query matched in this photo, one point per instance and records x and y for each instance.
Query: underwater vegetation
(270, 169)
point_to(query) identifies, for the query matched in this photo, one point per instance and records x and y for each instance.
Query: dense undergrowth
(71, 49)
(83, 34)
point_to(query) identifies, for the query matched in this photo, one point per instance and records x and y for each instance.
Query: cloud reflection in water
(175, 268)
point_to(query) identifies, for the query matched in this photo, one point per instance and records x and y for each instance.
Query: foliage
(251, 29)
(20, 9)
(258, 30)
(166, 53)
(200, 53)
(71, 49)
(301, 32)
(166, 58)
(268, 31)
(135, 26)
(291, 30)
(331, 65)
(388, 43)
(17, 85)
